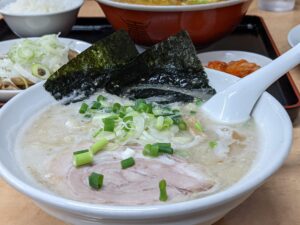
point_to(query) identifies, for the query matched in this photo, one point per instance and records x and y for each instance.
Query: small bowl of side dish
(149, 24)
(33, 19)
(20, 58)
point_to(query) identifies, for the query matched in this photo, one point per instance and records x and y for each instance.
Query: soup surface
(168, 2)
(204, 157)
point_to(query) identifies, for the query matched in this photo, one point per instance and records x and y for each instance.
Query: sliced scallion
(163, 196)
(151, 150)
(168, 122)
(198, 102)
(164, 148)
(82, 157)
(96, 105)
(126, 163)
(212, 144)
(109, 124)
(180, 123)
(159, 123)
(101, 98)
(142, 106)
(198, 126)
(87, 116)
(116, 107)
(96, 180)
(99, 145)
(84, 107)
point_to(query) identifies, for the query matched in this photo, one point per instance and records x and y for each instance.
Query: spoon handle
(235, 103)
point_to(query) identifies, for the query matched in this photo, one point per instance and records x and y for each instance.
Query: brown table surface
(277, 202)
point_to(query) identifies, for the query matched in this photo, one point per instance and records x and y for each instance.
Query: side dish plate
(75, 45)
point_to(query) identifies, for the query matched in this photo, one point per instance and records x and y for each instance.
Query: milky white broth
(45, 146)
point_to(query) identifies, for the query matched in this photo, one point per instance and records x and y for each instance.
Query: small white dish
(76, 45)
(294, 36)
(227, 56)
(38, 24)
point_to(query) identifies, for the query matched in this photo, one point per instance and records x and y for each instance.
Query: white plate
(75, 45)
(294, 36)
(227, 56)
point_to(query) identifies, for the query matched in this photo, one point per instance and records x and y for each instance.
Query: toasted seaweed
(92, 69)
(169, 71)
(170, 64)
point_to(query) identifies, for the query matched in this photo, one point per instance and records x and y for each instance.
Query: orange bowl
(151, 24)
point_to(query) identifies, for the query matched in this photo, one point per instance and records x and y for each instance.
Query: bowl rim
(171, 8)
(76, 6)
(158, 210)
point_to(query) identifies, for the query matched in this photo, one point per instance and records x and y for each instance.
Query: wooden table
(277, 202)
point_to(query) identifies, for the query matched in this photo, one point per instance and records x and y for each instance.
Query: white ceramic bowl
(276, 138)
(35, 25)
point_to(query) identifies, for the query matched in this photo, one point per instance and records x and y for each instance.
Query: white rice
(39, 6)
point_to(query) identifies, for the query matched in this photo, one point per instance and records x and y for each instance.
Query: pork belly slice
(137, 185)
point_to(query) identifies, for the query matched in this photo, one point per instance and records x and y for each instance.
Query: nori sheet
(91, 69)
(113, 63)
(171, 63)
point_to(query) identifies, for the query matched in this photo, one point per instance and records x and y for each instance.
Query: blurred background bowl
(151, 24)
(34, 25)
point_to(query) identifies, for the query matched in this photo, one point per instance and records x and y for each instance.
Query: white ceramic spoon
(235, 103)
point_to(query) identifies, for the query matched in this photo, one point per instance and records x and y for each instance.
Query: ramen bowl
(151, 24)
(275, 132)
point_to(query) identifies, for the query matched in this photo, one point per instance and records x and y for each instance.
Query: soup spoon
(235, 103)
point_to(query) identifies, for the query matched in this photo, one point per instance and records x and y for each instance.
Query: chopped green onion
(116, 107)
(88, 116)
(155, 149)
(192, 112)
(167, 122)
(96, 105)
(182, 125)
(127, 120)
(151, 150)
(198, 102)
(101, 98)
(96, 180)
(82, 157)
(84, 107)
(164, 148)
(163, 196)
(122, 111)
(198, 127)
(109, 124)
(165, 111)
(163, 122)
(179, 122)
(213, 144)
(99, 145)
(126, 163)
(159, 123)
(142, 106)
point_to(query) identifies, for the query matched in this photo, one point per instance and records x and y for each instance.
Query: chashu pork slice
(137, 185)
